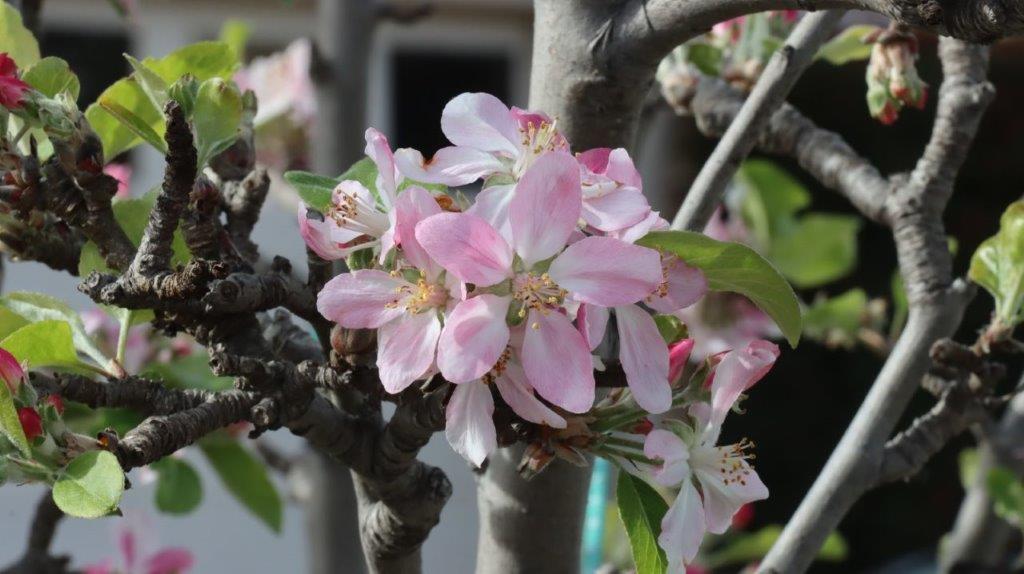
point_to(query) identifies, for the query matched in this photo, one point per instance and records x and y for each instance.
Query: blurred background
(413, 62)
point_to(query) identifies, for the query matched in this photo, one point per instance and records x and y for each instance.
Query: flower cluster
(892, 75)
(516, 288)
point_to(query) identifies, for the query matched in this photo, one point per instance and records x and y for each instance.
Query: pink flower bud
(10, 371)
(678, 354)
(31, 422)
(56, 402)
(743, 517)
(643, 427)
(12, 89)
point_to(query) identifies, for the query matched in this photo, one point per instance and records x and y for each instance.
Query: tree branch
(780, 75)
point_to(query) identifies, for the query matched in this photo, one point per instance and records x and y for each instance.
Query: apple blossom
(613, 196)
(404, 305)
(131, 535)
(12, 88)
(282, 84)
(690, 457)
(31, 422)
(600, 271)
(356, 219)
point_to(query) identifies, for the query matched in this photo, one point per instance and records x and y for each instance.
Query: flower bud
(12, 89)
(892, 76)
(678, 354)
(10, 371)
(56, 402)
(31, 422)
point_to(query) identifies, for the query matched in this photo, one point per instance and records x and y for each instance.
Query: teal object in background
(593, 522)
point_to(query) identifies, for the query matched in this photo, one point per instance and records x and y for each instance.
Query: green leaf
(738, 269)
(245, 478)
(10, 424)
(998, 265)
(91, 486)
(235, 33)
(848, 46)
(641, 509)
(706, 57)
(185, 91)
(52, 76)
(670, 327)
(10, 322)
(1007, 494)
(178, 489)
(836, 320)
(204, 60)
(15, 39)
(819, 249)
(43, 344)
(315, 190)
(151, 84)
(968, 465)
(39, 307)
(772, 199)
(135, 124)
(216, 117)
(744, 547)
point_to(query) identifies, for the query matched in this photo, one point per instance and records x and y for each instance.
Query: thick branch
(780, 75)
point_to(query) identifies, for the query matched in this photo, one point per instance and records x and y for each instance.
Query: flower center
(537, 292)
(537, 138)
(732, 465)
(419, 297)
(354, 213)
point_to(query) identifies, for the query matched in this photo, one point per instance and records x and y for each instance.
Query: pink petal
(413, 206)
(607, 272)
(685, 284)
(545, 207)
(129, 546)
(682, 528)
(722, 499)
(474, 337)
(620, 168)
(480, 121)
(379, 150)
(644, 358)
(653, 222)
(10, 371)
(517, 392)
(557, 361)
(737, 372)
(405, 349)
(592, 322)
(665, 446)
(452, 166)
(316, 232)
(616, 210)
(169, 561)
(364, 299)
(491, 205)
(469, 425)
(466, 246)
(678, 354)
(594, 160)
(105, 567)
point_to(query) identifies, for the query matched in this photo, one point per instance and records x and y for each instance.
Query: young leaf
(216, 117)
(706, 57)
(967, 463)
(15, 39)
(738, 269)
(235, 33)
(10, 424)
(178, 489)
(1007, 494)
(641, 509)
(204, 60)
(245, 478)
(135, 124)
(819, 249)
(670, 328)
(315, 190)
(90, 486)
(998, 265)
(132, 215)
(152, 85)
(836, 320)
(772, 199)
(744, 547)
(44, 344)
(10, 322)
(52, 76)
(39, 307)
(191, 372)
(848, 46)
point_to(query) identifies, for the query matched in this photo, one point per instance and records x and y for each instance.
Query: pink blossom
(10, 371)
(357, 218)
(282, 84)
(469, 424)
(404, 306)
(613, 196)
(123, 174)
(727, 481)
(599, 271)
(133, 534)
(12, 89)
(31, 422)
(678, 354)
